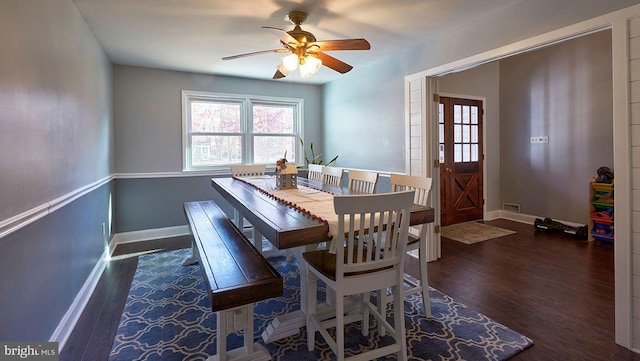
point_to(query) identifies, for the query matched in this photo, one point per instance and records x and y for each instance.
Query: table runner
(315, 202)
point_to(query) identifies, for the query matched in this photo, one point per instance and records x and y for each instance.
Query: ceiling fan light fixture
(290, 62)
(310, 66)
(304, 51)
(283, 69)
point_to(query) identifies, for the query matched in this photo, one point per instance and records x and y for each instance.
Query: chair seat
(325, 262)
(413, 239)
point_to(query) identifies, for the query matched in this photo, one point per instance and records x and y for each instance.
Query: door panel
(460, 137)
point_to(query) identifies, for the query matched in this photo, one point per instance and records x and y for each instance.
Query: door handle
(448, 169)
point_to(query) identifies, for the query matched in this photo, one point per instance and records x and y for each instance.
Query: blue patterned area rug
(168, 317)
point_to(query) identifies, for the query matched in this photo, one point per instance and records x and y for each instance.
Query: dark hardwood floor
(93, 335)
(556, 290)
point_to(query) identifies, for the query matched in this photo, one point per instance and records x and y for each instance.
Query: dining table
(287, 225)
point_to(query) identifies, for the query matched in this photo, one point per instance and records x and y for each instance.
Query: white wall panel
(635, 157)
(634, 76)
(634, 48)
(635, 91)
(634, 69)
(635, 113)
(635, 217)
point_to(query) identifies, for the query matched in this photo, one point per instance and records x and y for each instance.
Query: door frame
(618, 22)
(483, 155)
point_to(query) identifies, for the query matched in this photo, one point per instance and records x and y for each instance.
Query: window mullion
(248, 130)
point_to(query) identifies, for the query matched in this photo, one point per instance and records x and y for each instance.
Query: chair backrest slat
(332, 176)
(362, 181)
(315, 172)
(421, 185)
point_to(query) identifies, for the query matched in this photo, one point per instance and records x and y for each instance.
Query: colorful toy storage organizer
(602, 223)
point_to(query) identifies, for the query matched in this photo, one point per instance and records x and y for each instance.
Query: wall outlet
(540, 139)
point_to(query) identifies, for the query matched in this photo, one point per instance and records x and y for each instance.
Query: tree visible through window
(221, 130)
(273, 131)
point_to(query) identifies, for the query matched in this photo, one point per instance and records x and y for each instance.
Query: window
(220, 130)
(465, 133)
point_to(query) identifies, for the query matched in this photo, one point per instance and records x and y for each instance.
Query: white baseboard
(146, 235)
(491, 215)
(71, 317)
(517, 217)
(522, 218)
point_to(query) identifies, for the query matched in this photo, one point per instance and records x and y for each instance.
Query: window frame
(246, 126)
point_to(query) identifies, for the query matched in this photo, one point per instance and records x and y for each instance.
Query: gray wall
(151, 203)
(43, 266)
(563, 92)
(364, 119)
(148, 112)
(483, 81)
(55, 137)
(55, 106)
(148, 133)
(364, 109)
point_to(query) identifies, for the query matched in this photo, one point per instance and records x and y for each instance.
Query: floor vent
(511, 207)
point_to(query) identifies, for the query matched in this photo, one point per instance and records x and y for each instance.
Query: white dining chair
(417, 238)
(362, 181)
(372, 259)
(315, 172)
(332, 176)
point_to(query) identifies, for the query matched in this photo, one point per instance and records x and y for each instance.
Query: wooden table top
(284, 226)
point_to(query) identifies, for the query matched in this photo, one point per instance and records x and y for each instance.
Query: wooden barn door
(461, 155)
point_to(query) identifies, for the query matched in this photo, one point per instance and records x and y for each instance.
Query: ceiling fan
(304, 51)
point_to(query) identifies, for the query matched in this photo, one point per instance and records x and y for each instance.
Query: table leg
(290, 324)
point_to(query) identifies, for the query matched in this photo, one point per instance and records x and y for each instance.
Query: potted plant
(314, 159)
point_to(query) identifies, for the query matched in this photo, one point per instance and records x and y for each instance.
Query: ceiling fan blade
(279, 75)
(280, 50)
(346, 44)
(333, 63)
(283, 35)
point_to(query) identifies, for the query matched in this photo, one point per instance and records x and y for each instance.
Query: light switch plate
(540, 139)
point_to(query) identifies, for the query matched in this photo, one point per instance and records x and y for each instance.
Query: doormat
(473, 232)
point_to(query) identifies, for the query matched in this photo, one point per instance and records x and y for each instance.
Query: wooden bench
(236, 275)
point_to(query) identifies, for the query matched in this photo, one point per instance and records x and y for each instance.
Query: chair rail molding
(23, 219)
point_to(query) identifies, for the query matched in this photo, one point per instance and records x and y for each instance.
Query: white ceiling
(193, 35)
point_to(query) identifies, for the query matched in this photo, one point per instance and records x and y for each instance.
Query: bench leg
(233, 320)
(191, 260)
